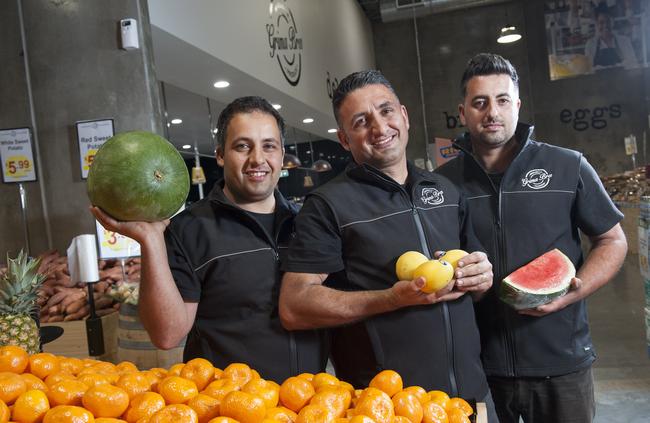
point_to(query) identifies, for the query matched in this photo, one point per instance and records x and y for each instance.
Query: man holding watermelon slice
(527, 198)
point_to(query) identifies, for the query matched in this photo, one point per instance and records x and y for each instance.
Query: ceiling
(187, 75)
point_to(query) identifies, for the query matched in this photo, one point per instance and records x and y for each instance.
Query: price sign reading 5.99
(18, 166)
(16, 155)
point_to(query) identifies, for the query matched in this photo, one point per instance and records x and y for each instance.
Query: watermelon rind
(515, 293)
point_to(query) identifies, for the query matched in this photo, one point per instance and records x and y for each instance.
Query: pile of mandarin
(53, 389)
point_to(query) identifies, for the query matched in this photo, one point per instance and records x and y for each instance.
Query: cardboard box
(74, 341)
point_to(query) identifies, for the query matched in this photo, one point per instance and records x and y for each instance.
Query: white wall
(336, 38)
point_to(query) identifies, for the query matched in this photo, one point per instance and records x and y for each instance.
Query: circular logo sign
(284, 43)
(536, 179)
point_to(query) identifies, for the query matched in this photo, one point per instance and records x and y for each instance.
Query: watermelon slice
(539, 282)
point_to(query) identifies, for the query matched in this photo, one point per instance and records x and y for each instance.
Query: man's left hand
(574, 294)
(474, 273)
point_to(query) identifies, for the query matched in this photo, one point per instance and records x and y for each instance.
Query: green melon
(539, 282)
(138, 176)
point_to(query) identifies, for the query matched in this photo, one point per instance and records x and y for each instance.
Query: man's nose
(492, 109)
(256, 156)
(379, 125)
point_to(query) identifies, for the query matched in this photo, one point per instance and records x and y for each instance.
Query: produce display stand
(480, 413)
(74, 341)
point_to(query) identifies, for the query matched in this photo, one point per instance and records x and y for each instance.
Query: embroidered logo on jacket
(432, 196)
(536, 179)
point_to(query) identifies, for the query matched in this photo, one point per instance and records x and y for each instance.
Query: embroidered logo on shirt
(432, 196)
(536, 179)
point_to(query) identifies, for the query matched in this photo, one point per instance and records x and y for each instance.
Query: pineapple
(18, 288)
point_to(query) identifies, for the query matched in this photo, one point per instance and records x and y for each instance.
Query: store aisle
(622, 370)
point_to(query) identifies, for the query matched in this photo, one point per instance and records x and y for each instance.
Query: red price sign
(17, 166)
(88, 158)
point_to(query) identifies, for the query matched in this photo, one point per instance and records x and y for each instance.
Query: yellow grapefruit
(407, 263)
(437, 274)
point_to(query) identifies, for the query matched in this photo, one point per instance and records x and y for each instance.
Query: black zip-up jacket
(546, 195)
(354, 228)
(222, 258)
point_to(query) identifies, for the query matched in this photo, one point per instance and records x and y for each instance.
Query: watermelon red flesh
(539, 282)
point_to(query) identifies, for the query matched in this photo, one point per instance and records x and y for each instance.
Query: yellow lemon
(437, 274)
(407, 263)
(452, 257)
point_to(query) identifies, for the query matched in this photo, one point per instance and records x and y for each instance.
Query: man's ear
(219, 155)
(461, 113)
(343, 139)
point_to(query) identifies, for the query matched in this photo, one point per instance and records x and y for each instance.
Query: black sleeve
(468, 239)
(317, 246)
(595, 213)
(187, 283)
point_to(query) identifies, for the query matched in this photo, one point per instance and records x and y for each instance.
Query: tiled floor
(622, 371)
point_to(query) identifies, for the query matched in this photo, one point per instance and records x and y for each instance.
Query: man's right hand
(408, 293)
(138, 231)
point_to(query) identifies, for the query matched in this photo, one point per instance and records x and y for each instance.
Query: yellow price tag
(88, 159)
(17, 166)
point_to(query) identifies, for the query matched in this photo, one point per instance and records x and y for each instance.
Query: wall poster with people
(587, 36)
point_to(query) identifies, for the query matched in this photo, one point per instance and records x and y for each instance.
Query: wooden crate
(74, 342)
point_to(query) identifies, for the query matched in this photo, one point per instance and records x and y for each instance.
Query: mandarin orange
(30, 407)
(219, 388)
(174, 413)
(42, 365)
(200, 371)
(11, 387)
(67, 392)
(315, 413)
(433, 412)
(242, 406)
(281, 414)
(388, 381)
(375, 404)
(134, 383)
(295, 393)
(267, 390)
(13, 359)
(68, 414)
(177, 390)
(407, 404)
(205, 406)
(144, 405)
(106, 401)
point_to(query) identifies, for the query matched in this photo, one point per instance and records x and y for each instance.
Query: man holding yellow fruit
(350, 233)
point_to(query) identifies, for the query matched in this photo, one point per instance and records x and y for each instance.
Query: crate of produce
(74, 341)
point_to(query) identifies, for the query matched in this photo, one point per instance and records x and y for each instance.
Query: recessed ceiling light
(221, 84)
(331, 130)
(307, 120)
(186, 147)
(276, 106)
(177, 121)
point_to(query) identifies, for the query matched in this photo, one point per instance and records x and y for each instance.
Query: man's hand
(138, 231)
(408, 293)
(575, 294)
(474, 273)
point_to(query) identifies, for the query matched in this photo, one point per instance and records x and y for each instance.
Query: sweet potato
(83, 312)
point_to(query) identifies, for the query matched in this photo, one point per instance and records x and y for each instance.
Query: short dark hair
(355, 81)
(487, 64)
(247, 104)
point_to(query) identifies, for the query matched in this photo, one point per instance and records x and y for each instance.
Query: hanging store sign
(114, 245)
(16, 155)
(92, 134)
(284, 42)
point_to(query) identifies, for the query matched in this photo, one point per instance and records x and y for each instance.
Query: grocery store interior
(169, 67)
